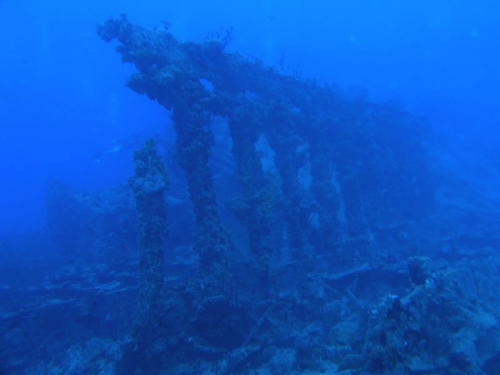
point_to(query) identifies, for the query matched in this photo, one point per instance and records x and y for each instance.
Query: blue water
(66, 115)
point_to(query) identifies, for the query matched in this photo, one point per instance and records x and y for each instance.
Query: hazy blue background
(62, 99)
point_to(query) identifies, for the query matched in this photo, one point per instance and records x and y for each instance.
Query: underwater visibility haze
(264, 187)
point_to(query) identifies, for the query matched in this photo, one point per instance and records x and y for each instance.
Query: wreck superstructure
(345, 172)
